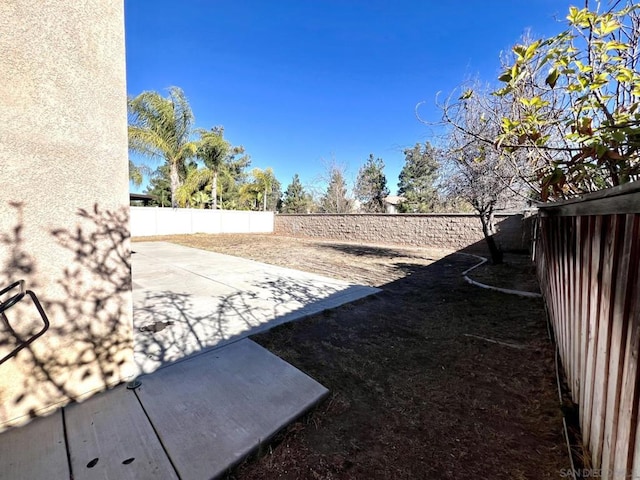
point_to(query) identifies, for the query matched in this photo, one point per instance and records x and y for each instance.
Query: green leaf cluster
(578, 97)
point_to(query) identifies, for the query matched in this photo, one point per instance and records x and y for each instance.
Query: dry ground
(417, 390)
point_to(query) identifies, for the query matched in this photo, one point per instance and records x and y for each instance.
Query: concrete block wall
(450, 231)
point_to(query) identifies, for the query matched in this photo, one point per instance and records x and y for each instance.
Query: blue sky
(302, 83)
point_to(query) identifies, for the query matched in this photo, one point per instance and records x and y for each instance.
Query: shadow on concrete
(172, 326)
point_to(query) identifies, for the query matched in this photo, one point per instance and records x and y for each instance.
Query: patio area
(208, 395)
(192, 420)
(187, 300)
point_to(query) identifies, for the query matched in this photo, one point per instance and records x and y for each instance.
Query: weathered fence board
(584, 306)
(588, 261)
(618, 341)
(595, 227)
(629, 396)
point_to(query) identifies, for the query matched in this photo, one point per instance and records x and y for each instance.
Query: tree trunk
(264, 201)
(489, 230)
(214, 190)
(175, 183)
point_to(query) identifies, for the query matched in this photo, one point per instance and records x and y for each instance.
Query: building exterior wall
(64, 225)
(450, 231)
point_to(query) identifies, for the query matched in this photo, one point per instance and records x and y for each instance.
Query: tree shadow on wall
(89, 342)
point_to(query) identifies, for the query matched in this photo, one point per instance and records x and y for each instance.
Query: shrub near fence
(588, 261)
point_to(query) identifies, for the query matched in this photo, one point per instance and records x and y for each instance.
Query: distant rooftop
(141, 197)
(394, 199)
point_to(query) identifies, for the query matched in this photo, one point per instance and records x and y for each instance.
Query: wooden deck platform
(191, 420)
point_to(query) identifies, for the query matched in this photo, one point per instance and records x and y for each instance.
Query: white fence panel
(230, 223)
(148, 221)
(262, 223)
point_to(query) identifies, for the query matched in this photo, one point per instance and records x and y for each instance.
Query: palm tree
(264, 180)
(212, 149)
(135, 175)
(226, 182)
(195, 180)
(161, 128)
(138, 172)
(200, 199)
(249, 195)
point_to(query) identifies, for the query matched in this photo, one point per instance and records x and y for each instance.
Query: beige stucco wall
(449, 231)
(64, 224)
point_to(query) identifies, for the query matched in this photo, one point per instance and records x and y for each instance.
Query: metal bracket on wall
(12, 301)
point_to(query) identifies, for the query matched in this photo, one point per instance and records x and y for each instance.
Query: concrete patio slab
(35, 451)
(110, 436)
(218, 396)
(212, 410)
(192, 420)
(187, 300)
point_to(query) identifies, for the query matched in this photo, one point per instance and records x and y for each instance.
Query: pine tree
(160, 187)
(417, 179)
(335, 198)
(296, 200)
(371, 186)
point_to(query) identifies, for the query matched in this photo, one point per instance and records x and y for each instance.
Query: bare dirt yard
(419, 387)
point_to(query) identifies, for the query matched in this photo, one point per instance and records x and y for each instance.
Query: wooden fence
(587, 253)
